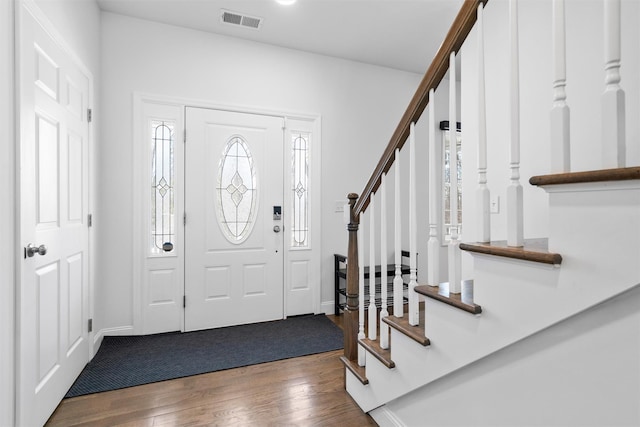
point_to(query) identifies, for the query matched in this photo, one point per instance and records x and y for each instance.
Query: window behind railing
(446, 190)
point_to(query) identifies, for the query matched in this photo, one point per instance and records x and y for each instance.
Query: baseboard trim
(385, 418)
(327, 307)
(120, 330)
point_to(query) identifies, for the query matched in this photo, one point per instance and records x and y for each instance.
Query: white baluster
(560, 142)
(483, 195)
(455, 268)
(515, 214)
(413, 232)
(613, 98)
(361, 307)
(373, 314)
(433, 260)
(398, 283)
(384, 328)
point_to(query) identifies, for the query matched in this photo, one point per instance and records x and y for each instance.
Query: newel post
(351, 309)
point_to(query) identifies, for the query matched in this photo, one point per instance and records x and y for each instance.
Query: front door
(54, 292)
(233, 205)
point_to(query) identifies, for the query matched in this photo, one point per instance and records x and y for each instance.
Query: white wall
(585, 84)
(360, 107)
(581, 372)
(8, 249)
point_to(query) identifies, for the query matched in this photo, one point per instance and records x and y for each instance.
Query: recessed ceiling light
(286, 2)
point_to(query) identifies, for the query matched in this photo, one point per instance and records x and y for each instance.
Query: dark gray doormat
(126, 361)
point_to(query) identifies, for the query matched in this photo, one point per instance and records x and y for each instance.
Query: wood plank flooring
(304, 391)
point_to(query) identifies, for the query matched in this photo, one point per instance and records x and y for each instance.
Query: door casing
(311, 255)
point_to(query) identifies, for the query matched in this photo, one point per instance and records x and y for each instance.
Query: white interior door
(53, 295)
(233, 241)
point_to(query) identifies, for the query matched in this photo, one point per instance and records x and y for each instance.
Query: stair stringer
(582, 371)
(526, 298)
(520, 298)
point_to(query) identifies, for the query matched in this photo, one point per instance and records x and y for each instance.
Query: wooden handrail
(620, 174)
(456, 36)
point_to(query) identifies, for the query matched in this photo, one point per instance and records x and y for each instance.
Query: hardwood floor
(304, 391)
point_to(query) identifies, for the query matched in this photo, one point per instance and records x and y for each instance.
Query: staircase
(503, 293)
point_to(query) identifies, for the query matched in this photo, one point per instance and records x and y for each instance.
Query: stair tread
(535, 250)
(618, 174)
(357, 370)
(463, 300)
(373, 347)
(416, 333)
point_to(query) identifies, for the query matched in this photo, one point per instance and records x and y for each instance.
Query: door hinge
(90, 220)
(90, 325)
(89, 115)
(184, 301)
(184, 136)
(184, 219)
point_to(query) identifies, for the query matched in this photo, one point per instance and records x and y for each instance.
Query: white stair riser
(524, 297)
(596, 228)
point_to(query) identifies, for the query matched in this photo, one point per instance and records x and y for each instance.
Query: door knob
(276, 228)
(31, 250)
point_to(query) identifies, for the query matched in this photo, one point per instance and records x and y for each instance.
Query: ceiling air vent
(234, 18)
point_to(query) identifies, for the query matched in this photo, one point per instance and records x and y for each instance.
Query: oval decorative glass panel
(237, 194)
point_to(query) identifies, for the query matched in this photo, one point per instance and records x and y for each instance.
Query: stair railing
(614, 168)
(614, 162)
(353, 319)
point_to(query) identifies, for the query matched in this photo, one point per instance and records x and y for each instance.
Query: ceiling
(400, 34)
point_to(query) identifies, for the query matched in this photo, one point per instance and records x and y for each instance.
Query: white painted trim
(18, 12)
(592, 186)
(139, 99)
(202, 103)
(145, 110)
(327, 307)
(386, 418)
(313, 125)
(99, 336)
(136, 235)
(9, 252)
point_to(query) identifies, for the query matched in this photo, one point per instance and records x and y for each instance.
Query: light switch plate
(494, 205)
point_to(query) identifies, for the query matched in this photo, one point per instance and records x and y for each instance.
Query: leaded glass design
(447, 184)
(300, 193)
(236, 190)
(162, 186)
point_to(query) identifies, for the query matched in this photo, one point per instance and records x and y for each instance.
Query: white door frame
(140, 272)
(30, 7)
(9, 250)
